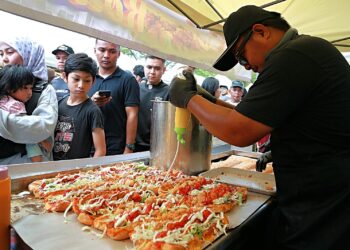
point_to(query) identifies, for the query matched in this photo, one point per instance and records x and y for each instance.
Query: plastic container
(5, 208)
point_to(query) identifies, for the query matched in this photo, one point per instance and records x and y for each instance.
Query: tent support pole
(341, 39)
(181, 10)
(216, 11)
(224, 19)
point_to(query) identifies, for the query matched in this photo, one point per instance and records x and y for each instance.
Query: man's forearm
(131, 129)
(224, 104)
(131, 124)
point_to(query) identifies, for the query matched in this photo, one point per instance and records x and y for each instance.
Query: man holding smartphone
(117, 93)
(104, 93)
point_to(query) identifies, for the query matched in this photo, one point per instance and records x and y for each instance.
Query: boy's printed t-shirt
(73, 133)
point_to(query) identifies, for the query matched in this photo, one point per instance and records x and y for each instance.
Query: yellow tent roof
(323, 18)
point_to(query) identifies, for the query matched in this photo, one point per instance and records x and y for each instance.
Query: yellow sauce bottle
(182, 117)
(5, 208)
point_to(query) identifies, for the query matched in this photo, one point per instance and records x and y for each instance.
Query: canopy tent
(185, 31)
(323, 18)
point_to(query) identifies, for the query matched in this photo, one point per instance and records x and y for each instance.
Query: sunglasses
(239, 53)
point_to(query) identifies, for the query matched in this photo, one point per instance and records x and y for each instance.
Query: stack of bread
(241, 162)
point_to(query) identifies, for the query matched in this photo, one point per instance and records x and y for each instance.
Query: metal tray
(33, 229)
(254, 181)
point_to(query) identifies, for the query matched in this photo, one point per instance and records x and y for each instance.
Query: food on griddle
(143, 203)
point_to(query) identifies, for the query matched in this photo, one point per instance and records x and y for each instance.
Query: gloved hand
(182, 88)
(263, 160)
(202, 92)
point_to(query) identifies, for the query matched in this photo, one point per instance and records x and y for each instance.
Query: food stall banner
(141, 25)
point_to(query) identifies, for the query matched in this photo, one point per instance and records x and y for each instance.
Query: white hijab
(32, 53)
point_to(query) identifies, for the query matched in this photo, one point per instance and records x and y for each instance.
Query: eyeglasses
(239, 53)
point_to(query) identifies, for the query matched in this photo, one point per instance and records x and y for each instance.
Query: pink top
(13, 106)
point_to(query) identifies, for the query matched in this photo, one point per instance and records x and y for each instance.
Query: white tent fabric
(178, 31)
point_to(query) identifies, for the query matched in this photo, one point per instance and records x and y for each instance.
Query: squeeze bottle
(182, 117)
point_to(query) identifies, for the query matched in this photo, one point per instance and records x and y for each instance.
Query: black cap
(237, 84)
(236, 24)
(65, 48)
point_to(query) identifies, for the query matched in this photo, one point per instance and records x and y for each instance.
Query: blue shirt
(61, 88)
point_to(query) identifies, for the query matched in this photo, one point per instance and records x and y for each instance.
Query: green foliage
(140, 56)
(133, 53)
(254, 76)
(204, 73)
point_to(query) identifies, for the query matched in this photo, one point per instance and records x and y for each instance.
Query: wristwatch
(130, 146)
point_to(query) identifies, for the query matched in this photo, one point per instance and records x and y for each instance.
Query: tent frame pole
(224, 19)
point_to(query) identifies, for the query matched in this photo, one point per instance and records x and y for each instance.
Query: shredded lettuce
(141, 166)
(240, 199)
(197, 230)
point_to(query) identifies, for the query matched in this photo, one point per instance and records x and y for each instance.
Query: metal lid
(4, 172)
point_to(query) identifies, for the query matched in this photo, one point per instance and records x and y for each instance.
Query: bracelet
(130, 146)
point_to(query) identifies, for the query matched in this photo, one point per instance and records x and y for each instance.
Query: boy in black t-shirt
(80, 121)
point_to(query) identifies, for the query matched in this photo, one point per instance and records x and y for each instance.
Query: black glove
(263, 160)
(202, 92)
(182, 88)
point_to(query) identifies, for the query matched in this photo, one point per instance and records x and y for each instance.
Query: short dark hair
(80, 62)
(138, 71)
(97, 39)
(155, 57)
(211, 84)
(14, 77)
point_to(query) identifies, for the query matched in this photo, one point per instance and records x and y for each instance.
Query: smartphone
(104, 93)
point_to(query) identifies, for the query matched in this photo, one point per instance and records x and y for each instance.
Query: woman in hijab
(40, 125)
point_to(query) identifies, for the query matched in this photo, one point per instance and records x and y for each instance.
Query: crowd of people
(88, 109)
(102, 110)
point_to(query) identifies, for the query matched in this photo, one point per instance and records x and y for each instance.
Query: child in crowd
(80, 121)
(16, 84)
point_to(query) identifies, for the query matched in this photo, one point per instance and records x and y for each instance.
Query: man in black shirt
(120, 110)
(150, 89)
(301, 97)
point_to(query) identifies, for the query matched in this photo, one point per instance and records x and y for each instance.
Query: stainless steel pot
(193, 157)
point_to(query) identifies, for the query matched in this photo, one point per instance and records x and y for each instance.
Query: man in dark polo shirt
(61, 53)
(120, 109)
(301, 97)
(150, 89)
